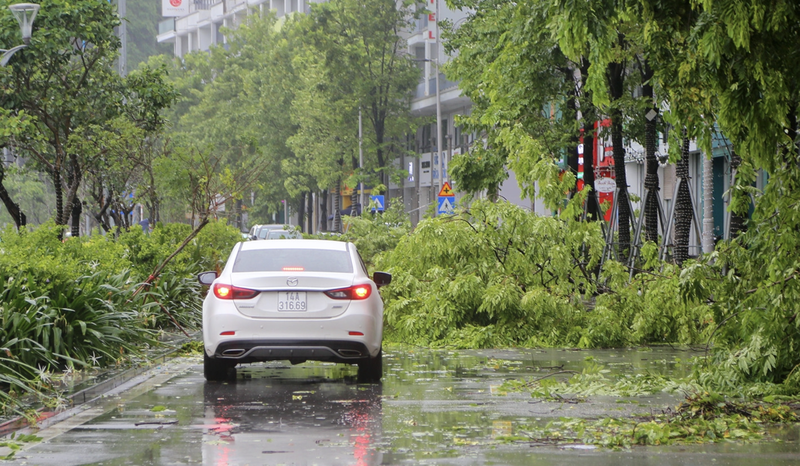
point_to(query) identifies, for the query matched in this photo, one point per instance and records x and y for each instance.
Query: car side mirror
(381, 278)
(206, 278)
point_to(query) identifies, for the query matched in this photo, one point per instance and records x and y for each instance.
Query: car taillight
(353, 292)
(222, 291)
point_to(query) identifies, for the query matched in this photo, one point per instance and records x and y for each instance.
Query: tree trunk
(13, 208)
(737, 220)
(310, 212)
(75, 224)
(572, 113)
(104, 202)
(380, 136)
(73, 183)
(337, 207)
(683, 206)
(616, 81)
(323, 210)
(708, 204)
(301, 212)
(651, 185)
(239, 218)
(589, 116)
(59, 196)
(592, 207)
(154, 205)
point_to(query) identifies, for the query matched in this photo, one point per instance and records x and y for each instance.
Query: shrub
(495, 275)
(72, 303)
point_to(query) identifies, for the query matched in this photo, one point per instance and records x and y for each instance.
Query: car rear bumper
(226, 329)
(243, 351)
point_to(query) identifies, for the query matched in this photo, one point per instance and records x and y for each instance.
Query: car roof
(295, 244)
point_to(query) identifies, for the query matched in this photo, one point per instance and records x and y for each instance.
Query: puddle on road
(433, 407)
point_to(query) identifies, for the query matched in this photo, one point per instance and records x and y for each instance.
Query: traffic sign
(446, 190)
(446, 205)
(378, 201)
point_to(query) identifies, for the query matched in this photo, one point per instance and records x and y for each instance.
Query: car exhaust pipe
(351, 353)
(233, 352)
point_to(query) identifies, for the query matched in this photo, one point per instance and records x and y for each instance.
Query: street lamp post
(439, 142)
(25, 13)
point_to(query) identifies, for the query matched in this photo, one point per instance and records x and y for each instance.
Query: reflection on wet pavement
(272, 415)
(433, 407)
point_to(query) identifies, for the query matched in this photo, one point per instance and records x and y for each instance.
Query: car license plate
(292, 301)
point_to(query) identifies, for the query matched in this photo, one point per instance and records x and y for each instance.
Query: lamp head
(25, 14)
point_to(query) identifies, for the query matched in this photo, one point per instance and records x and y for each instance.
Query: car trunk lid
(290, 297)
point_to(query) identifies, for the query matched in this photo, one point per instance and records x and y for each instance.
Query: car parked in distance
(284, 234)
(261, 231)
(294, 300)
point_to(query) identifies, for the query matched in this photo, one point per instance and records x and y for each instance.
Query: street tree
(732, 61)
(359, 48)
(11, 125)
(605, 32)
(66, 80)
(526, 95)
(237, 99)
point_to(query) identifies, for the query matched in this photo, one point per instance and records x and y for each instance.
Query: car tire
(215, 369)
(371, 370)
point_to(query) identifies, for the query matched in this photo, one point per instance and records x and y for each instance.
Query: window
(307, 260)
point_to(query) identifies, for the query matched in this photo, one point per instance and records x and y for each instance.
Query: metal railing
(204, 4)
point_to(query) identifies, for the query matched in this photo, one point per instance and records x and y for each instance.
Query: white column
(708, 204)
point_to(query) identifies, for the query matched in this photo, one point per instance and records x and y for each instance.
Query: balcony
(168, 25)
(422, 22)
(204, 4)
(420, 92)
(232, 5)
(444, 84)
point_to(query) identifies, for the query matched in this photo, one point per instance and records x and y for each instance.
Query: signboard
(425, 169)
(605, 193)
(172, 8)
(447, 200)
(411, 167)
(605, 185)
(446, 205)
(604, 149)
(379, 203)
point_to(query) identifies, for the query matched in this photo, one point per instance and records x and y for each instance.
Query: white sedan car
(294, 300)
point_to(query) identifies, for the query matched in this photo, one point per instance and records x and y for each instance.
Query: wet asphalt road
(433, 407)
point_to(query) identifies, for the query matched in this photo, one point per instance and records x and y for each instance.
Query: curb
(96, 391)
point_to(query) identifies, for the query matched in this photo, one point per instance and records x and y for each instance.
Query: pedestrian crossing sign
(378, 202)
(446, 205)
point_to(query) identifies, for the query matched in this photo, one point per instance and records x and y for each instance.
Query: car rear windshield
(293, 260)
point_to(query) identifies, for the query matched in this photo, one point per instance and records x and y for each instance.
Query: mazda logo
(291, 281)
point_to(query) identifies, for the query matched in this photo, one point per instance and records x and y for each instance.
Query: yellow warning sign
(447, 191)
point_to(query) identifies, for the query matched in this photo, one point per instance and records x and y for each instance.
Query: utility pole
(439, 142)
